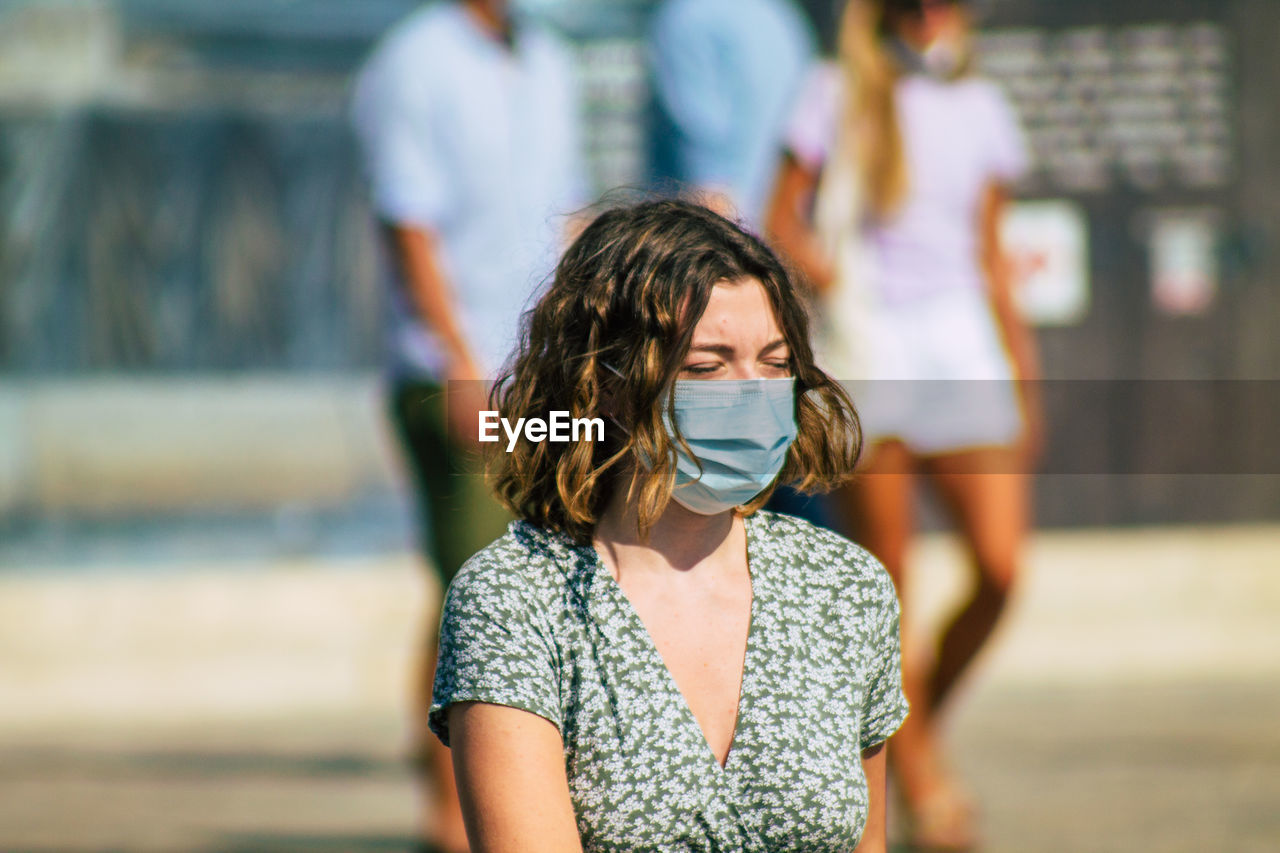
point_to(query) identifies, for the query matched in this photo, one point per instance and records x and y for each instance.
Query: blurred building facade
(182, 222)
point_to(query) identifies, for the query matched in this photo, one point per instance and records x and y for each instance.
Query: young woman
(903, 156)
(644, 662)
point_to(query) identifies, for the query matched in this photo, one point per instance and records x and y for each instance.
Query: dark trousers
(457, 514)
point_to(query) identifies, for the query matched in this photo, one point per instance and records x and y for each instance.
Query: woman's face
(737, 336)
(937, 20)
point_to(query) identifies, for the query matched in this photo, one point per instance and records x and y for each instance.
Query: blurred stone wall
(181, 193)
(191, 286)
(194, 241)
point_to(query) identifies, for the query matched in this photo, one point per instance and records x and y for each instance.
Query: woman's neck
(680, 540)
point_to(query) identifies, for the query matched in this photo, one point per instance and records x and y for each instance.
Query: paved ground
(1170, 769)
(1131, 705)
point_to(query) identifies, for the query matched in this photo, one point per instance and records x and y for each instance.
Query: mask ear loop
(618, 374)
(618, 423)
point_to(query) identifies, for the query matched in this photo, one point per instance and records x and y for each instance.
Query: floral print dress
(536, 622)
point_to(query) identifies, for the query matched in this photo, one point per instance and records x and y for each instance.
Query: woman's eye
(701, 368)
(783, 366)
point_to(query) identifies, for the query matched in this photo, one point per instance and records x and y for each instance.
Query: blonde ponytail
(871, 106)
(870, 79)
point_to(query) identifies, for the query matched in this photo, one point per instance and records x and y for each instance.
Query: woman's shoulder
(782, 527)
(996, 118)
(527, 562)
(827, 558)
(811, 127)
(825, 580)
(982, 92)
(821, 90)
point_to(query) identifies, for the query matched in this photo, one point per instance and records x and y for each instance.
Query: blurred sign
(1184, 261)
(1143, 105)
(1047, 245)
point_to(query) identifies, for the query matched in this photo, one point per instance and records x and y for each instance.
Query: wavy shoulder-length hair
(608, 339)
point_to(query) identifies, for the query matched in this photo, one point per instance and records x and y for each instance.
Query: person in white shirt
(467, 121)
(903, 157)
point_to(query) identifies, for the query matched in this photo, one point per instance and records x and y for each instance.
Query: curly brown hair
(628, 294)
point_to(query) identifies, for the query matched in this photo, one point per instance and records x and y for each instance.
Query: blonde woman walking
(903, 156)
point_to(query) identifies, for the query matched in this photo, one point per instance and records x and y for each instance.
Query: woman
(903, 157)
(643, 662)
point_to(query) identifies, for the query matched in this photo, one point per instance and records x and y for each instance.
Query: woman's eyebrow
(718, 349)
(727, 351)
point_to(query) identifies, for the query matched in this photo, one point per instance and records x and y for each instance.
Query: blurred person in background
(889, 199)
(467, 120)
(724, 74)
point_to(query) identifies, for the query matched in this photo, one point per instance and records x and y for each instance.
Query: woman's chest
(642, 773)
(702, 638)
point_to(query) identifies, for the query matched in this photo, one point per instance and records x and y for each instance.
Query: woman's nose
(746, 370)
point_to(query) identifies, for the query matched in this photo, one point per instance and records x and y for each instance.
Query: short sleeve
(885, 705)
(811, 128)
(1007, 155)
(392, 118)
(495, 647)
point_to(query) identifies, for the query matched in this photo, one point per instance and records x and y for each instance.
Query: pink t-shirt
(958, 136)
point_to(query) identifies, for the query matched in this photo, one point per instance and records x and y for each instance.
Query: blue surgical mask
(942, 59)
(739, 431)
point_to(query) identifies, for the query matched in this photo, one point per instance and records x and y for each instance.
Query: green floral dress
(536, 622)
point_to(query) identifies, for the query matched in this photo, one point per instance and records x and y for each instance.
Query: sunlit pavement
(1131, 704)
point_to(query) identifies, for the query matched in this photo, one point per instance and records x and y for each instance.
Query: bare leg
(992, 510)
(877, 511)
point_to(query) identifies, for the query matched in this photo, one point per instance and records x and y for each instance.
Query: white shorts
(937, 376)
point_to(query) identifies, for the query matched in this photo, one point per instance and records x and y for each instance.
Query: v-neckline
(655, 656)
